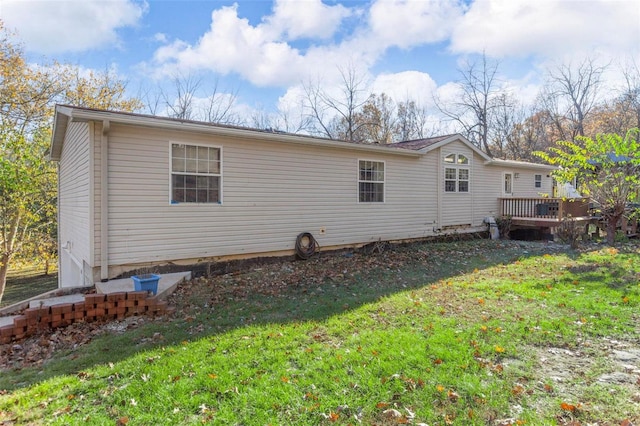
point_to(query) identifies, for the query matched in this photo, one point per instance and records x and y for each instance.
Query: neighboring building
(138, 190)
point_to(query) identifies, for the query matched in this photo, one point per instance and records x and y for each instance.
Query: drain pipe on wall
(104, 202)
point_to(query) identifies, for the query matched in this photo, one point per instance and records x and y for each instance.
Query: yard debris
(36, 350)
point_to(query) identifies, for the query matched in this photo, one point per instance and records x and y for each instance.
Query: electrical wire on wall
(306, 245)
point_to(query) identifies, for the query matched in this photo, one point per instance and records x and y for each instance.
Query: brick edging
(94, 308)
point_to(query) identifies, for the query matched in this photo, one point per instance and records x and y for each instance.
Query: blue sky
(266, 50)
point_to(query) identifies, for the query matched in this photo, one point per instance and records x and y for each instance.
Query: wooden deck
(544, 222)
(544, 208)
(545, 213)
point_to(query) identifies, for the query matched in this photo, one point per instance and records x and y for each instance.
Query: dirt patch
(612, 367)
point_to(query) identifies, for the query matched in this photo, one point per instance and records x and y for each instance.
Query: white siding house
(137, 190)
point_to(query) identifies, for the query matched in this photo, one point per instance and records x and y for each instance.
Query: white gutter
(519, 164)
(172, 124)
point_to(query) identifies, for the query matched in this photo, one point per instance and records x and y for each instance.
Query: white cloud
(70, 26)
(308, 19)
(232, 45)
(407, 23)
(547, 27)
(414, 85)
(263, 55)
(160, 38)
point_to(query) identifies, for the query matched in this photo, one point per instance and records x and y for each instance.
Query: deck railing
(545, 208)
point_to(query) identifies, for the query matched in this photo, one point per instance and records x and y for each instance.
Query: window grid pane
(449, 173)
(195, 174)
(370, 181)
(456, 173)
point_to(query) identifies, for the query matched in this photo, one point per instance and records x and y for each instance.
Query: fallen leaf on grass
(569, 407)
(517, 390)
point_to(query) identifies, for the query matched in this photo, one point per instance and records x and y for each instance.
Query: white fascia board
(171, 124)
(460, 138)
(520, 164)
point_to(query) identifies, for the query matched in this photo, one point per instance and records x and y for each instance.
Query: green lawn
(27, 281)
(466, 333)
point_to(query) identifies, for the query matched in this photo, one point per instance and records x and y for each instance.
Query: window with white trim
(370, 181)
(508, 183)
(537, 181)
(196, 174)
(456, 173)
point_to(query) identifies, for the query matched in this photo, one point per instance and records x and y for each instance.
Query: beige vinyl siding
(487, 188)
(270, 193)
(457, 207)
(524, 185)
(74, 180)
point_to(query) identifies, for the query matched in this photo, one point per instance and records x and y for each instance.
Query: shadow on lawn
(288, 291)
(27, 283)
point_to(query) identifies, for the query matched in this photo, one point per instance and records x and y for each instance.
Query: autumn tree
(607, 169)
(412, 122)
(93, 89)
(27, 179)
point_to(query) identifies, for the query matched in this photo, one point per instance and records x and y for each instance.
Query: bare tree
(186, 99)
(180, 102)
(412, 122)
(571, 93)
(336, 116)
(503, 122)
(219, 106)
(292, 120)
(630, 97)
(479, 93)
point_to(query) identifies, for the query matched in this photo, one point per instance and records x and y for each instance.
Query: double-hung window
(370, 181)
(196, 174)
(456, 173)
(538, 181)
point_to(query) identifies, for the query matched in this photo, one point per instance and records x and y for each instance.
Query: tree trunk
(4, 268)
(612, 227)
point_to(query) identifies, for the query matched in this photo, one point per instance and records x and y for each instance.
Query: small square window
(538, 181)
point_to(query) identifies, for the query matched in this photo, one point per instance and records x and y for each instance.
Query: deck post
(561, 209)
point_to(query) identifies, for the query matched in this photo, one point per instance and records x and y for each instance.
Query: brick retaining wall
(95, 307)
